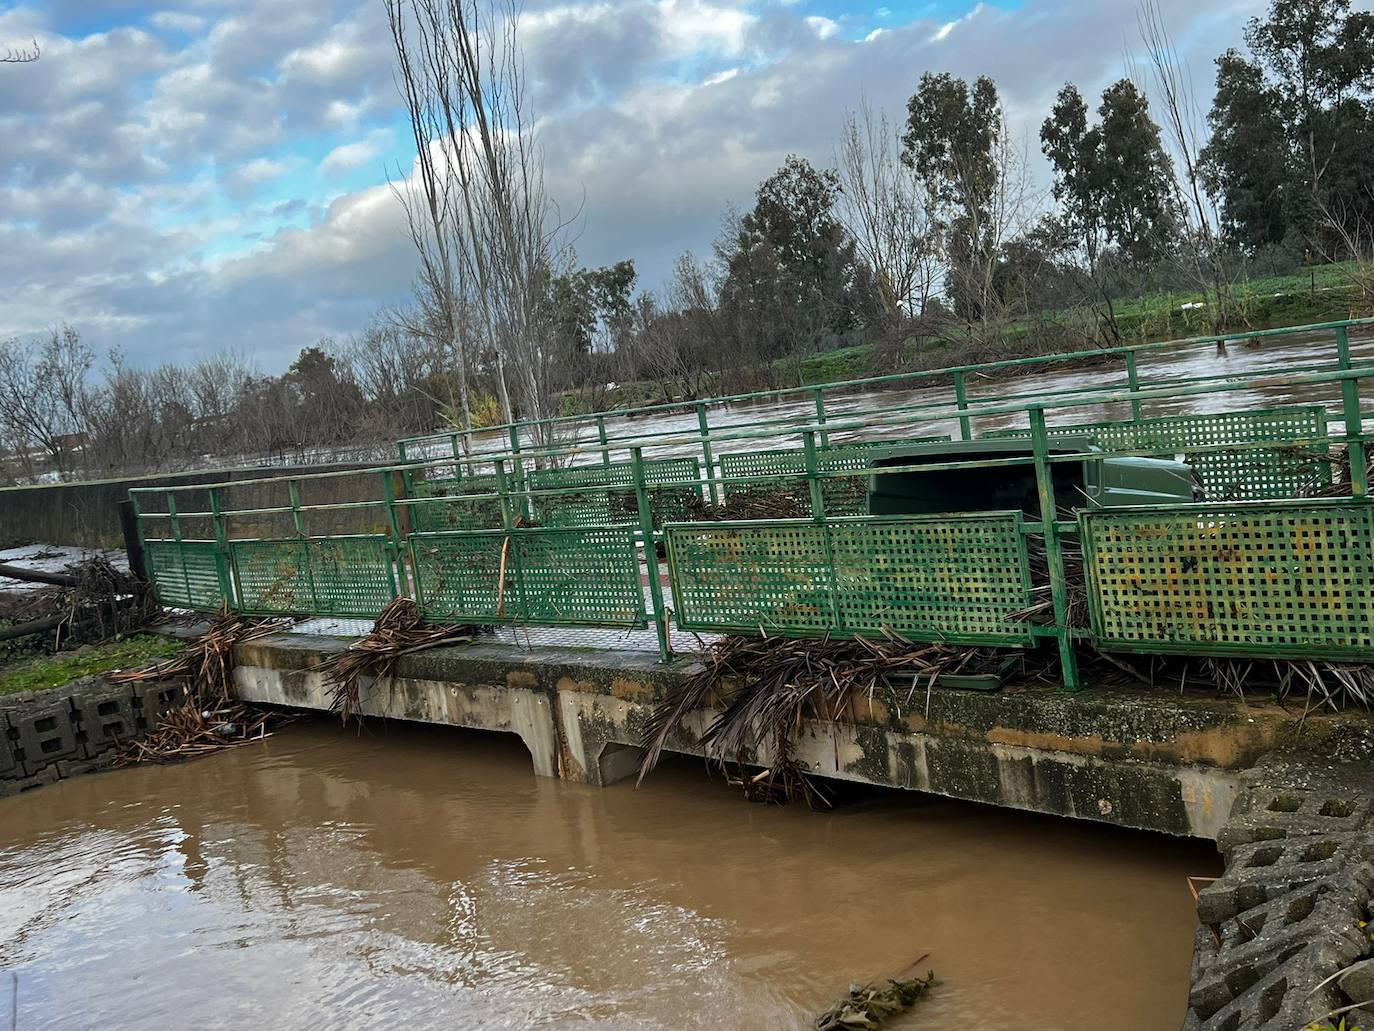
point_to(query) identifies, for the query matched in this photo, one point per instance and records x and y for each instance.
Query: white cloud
(823, 27)
(127, 156)
(349, 156)
(257, 171)
(177, 21)
(692, 25)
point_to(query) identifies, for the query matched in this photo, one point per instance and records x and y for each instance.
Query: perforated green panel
(454, 513)
(844, 496)
(1242, 475)
(564, 577)
(184, 574)
(955, 578)
(596, 507)
(1262, 579)
(333, 576)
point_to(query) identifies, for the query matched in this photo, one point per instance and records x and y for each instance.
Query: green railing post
(704, 427)
(1354, 421)
(811, 464)
(1054, 555)
(174, 521)
(819, 394)
(601, 436)
(507, 517)
(298, 521)
(512, 548)
(518, 470)
(646, 529)
(1133, 384)
(961, 399)
(297, 516)
(226, 590)
(400, 582)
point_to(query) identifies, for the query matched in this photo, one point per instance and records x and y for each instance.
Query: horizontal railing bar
(917, 375)
(950, 413)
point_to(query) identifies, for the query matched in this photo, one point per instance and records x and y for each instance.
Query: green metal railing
(1266, 578)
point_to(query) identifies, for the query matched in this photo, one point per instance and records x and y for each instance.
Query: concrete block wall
(1291, 910)
(48, 735)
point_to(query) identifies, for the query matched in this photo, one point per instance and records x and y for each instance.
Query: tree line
(925, 229)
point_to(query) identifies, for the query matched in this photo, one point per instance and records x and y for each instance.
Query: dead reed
(399, 630)
(211, 717)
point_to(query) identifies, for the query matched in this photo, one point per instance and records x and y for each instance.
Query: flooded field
(417, 878)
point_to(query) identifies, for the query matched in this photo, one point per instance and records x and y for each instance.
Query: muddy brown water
(416, 877)
(1274, 359)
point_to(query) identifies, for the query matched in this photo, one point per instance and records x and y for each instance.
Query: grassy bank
(46, 671)
(1322, 294)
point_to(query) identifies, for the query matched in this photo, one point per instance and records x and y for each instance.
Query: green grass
(55, 670)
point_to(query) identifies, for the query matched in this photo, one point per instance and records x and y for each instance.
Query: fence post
(601, 436)
(1054, 555)
(400, 582)
(819, 393)
(519, 469)
(297, 516)
(174, 521)
(813, 480)
(961, 399)
(646, 529)
(1133, 384)
(704, 427)
(507, 518)
(509, 547)
(1354, 422)
(226, 590)
(132, 530)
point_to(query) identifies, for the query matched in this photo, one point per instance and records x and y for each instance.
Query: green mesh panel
(1262, 579)
(184, 574)
(327, 576)
(597, 507)
(1243, 475)
(563, 577)
(955, 578)
(455, 513)
(843, 496)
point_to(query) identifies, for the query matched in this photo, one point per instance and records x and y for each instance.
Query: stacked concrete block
(1289, 912)
(48, 735)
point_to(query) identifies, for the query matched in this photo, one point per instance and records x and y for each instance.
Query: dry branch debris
(399, 630)
(212, 717)
(766, 686)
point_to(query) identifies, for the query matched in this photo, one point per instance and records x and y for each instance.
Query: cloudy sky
(181, 177)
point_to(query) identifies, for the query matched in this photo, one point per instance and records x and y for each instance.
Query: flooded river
(415, 877)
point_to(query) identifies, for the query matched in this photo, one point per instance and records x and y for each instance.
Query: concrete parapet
(1134, 758)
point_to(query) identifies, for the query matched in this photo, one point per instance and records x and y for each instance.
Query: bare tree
(884, 208)
(489, 236)
(1204, 249)
(1007, 212)
(21, 55)
(40, 394)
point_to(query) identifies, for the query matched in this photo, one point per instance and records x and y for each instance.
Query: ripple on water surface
(412, 877)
